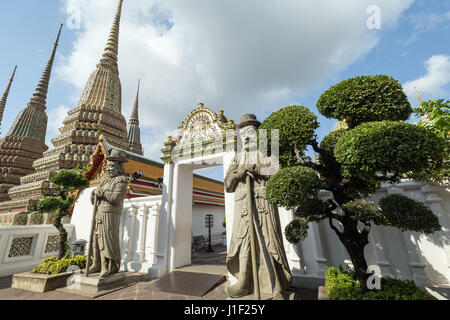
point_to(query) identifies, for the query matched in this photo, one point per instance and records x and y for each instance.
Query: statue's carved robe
(107, 221)
(273, 268)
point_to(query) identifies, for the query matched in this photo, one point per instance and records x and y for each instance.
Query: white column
(161, 265)
(293, 251)
(416, 266)
(131, 236)
(152, 239)
(181, 227)
(142, 212)
(321, 261)
(435, 203)
(123, 220)
(377, 244)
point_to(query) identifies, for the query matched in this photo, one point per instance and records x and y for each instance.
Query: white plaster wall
(198, 221)
(40, 233)
(82, 215)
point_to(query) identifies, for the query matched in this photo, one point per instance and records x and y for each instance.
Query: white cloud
(432, 84)
(241, 56)
(425, 22)
(55, 119)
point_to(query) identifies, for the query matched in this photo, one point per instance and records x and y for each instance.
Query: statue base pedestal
(95, 283)
(95, 286)
(252, 297)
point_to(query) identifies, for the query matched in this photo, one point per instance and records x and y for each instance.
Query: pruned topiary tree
(69, 181)
(376, 146)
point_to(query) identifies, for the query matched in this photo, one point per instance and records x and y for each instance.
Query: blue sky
(221, 55)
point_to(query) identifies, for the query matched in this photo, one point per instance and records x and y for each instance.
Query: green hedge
(53, 266)
(342, 285)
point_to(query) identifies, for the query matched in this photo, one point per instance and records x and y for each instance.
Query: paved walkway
(136, 289)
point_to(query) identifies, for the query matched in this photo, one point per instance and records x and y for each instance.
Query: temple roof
(5, 95)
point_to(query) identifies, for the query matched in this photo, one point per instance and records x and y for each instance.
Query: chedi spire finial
(112, 45)
(5, 95)
(42, 87)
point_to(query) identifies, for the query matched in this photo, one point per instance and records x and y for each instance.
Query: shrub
(54, 266)
(342, 285)
(296, 230)
(408, 214)
(293, 186)
(296, 125)
(364, 99)
(389, 147)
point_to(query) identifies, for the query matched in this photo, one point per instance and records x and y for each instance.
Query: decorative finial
(201, 105)
(5, 95)
(112, 45)
(42, 87)
(222, 118)
(135, 113)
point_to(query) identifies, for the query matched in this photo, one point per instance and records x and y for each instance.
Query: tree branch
(313, 143)
(332, 226)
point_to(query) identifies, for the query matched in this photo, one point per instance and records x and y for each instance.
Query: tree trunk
(356, 252)
(62, 236)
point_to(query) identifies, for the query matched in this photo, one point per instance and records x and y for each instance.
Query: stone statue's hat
(117, 155)
(248, 119)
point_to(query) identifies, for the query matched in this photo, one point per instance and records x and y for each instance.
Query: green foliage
(329, 142)
(436, 116)
(313, 209)
(342, 285)
(54, 266)
(54, 204)
(365, 99)
(296, 125)
(388, 147)
(408, 214)
(296, 230)
(363, 211)
(70, 180)
(293, 186)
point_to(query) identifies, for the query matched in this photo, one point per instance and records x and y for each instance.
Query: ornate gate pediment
(197, 134)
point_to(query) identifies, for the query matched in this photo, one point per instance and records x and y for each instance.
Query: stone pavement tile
(5, 282)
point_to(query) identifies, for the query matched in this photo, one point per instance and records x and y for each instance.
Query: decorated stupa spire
(42, 87)
(110, 55)
(25, 141)
(134, 132)
(5, 95)
(134, 118)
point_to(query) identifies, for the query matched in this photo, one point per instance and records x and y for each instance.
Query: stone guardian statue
(271, 263)
(110, 196)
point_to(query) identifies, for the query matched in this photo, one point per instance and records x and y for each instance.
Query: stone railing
(22, 248)
(139, 233)
(138, 229)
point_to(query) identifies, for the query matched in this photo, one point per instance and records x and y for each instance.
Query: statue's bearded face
(248, 136)
(112, 169)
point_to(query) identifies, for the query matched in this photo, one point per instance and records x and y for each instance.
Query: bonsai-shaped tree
(69, 181)
(373, 145)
